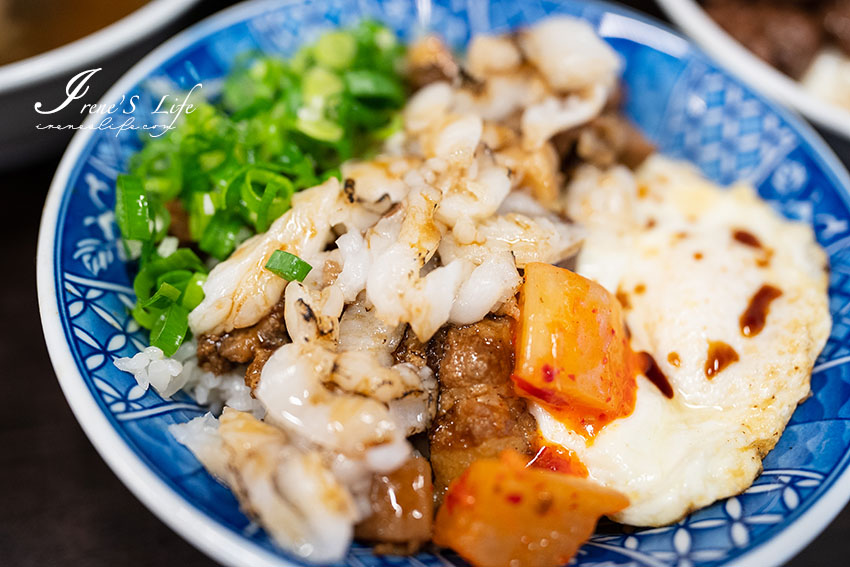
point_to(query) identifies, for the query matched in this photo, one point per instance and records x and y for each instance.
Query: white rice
(181, 372)
(150, 368)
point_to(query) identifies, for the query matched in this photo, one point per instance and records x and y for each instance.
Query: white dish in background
(696, 23)
(43, 77)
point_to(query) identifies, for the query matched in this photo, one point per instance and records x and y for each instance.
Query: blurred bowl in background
(696, 23)
(44, 77)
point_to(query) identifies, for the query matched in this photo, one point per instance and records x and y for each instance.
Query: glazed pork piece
(611, 139)
(402, 505)
(478, 414)
(250, 345)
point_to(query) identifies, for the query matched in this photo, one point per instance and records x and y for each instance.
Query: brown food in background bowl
(788, 34)
(31, 27)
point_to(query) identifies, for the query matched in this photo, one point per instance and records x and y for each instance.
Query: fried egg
(731, 301)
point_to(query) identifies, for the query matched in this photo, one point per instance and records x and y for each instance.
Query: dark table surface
(59, 503)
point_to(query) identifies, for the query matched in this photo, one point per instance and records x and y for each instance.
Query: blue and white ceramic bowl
(681, 100)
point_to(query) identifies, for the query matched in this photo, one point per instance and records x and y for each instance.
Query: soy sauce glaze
(655, 375)
(747, 238)
(751, 240)
(720, 355)
(752, 320)
(673, 359)
(623, 298)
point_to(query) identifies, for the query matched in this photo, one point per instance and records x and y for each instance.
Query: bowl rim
(760, 76)
(181, 515)
(139, 23)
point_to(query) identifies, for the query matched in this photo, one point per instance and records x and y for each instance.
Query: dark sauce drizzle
(754, 318)
(720, 355)
(747, 238)
(655, 375)
(673, 359)
(623, 298)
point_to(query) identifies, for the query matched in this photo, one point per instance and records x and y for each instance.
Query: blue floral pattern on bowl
(691, 109)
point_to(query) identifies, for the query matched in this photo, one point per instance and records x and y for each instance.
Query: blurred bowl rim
(118, 35)
(702, 29)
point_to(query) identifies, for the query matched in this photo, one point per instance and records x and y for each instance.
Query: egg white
(667, 233)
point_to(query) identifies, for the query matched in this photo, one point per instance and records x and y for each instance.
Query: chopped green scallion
(193, 295)
(132, 208)
(182, 259)
(223, 233)
(335, 49)
(365, 83)
(166, 295)
(170, 329)
(288, 266)
(321, 83)
(320, 129)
